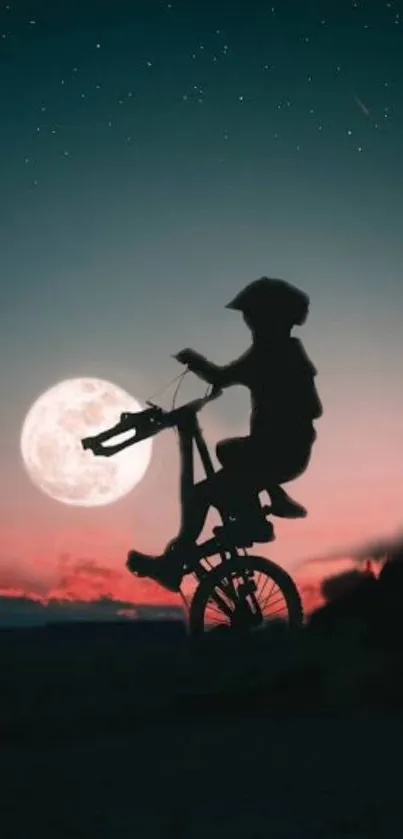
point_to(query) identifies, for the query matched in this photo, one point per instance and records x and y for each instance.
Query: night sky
(156, 157)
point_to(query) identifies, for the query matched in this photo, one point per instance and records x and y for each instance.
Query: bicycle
(227, 594)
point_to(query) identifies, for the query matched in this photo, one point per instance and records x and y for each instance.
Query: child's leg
(233, 496)
(194, 512)
(228, 493)
(286, 466)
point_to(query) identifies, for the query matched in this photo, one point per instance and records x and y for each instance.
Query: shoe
(284, 507)
(162, 569)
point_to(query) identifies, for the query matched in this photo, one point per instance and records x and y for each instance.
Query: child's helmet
(274, 297)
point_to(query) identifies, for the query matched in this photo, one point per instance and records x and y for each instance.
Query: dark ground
(293, 777)
(127, 730)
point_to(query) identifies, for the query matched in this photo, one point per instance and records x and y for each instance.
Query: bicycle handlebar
(145, 423)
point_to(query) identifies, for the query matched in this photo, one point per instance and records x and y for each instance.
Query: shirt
(281, 379)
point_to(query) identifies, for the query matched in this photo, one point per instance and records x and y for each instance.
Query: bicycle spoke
(268, 612)
(277, 611)
(273, 597)
(276, 595)
(214, 608)
(265, 584)
(260, 593)
(279, 597)
(227, 586)
(230, 585)
(223, 605)
(217, 622)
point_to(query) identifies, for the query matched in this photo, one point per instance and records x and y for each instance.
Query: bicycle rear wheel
(245, 593)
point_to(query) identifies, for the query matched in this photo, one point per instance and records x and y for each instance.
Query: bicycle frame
(190, 435)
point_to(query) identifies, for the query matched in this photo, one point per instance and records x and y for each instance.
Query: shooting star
(362, 107)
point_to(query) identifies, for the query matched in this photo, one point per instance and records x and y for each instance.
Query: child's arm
(229, 374)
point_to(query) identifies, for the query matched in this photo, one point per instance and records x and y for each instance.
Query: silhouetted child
(285, 404)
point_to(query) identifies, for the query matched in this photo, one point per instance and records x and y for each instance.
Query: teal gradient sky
(200, 145)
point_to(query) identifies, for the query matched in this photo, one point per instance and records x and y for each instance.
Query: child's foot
(284, 507)
(160, 569)
(167, 570)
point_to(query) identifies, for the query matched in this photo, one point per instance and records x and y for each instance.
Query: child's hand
(186, 356)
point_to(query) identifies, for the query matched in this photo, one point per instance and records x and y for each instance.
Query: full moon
(51, 443)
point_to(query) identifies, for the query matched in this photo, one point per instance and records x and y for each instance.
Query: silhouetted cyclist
(285, 403)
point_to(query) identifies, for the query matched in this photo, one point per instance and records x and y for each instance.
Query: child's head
(271, 306)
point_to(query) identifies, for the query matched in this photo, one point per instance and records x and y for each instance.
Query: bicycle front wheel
(245, 594)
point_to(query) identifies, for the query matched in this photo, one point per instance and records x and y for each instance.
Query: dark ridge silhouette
(342, 584)
(351, 597)
(114, 677)
(369, 602)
